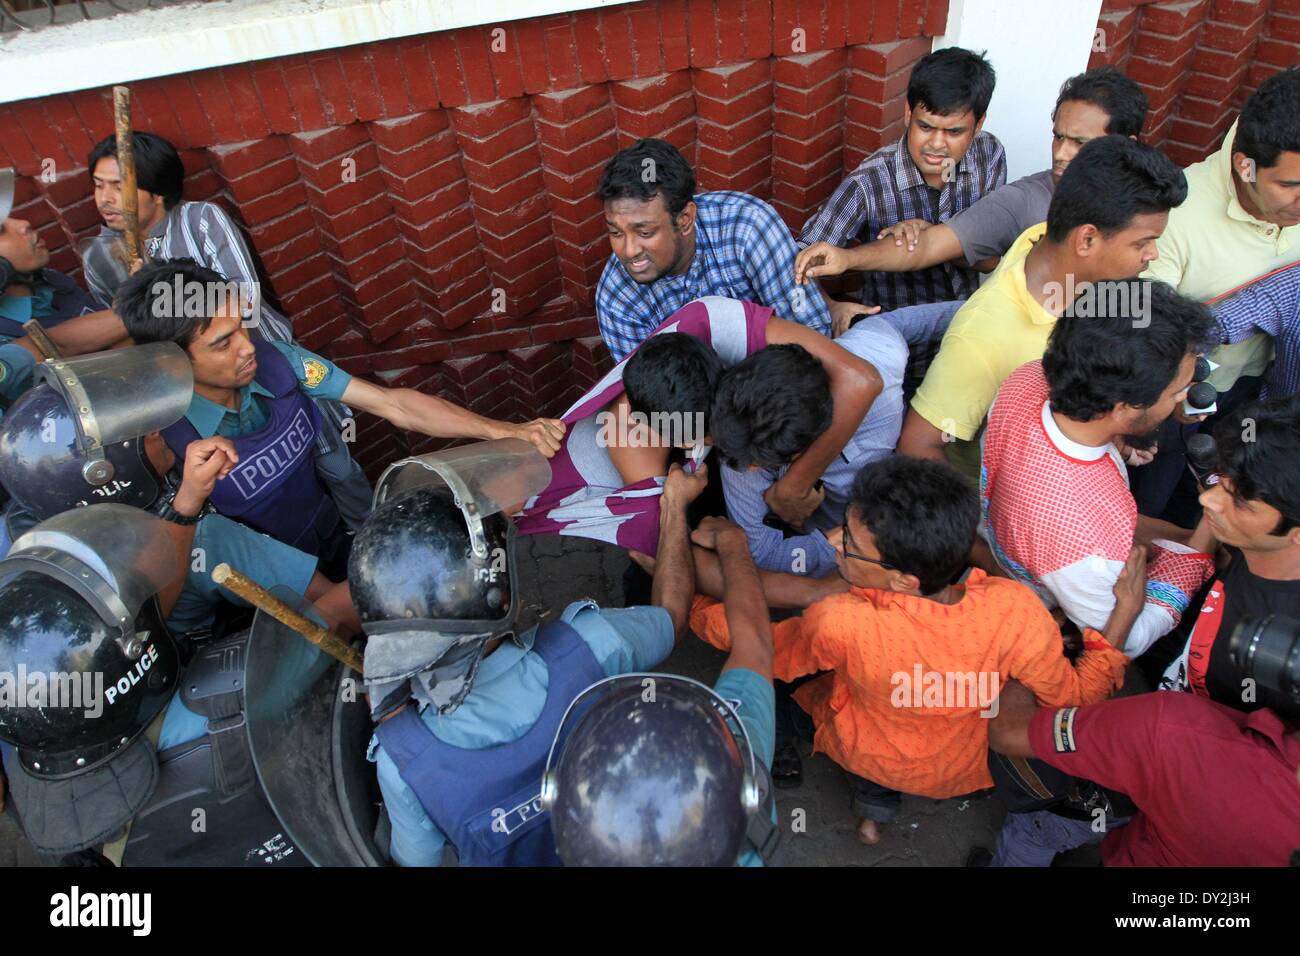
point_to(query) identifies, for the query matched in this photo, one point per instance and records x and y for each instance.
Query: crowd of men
(1048, 456)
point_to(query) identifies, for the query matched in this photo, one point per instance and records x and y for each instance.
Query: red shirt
(1214, 786)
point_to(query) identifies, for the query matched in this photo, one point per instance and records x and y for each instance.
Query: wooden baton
(264, 600)
(41, 340)
(126, 172)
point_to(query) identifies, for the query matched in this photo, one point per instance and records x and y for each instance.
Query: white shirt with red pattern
(1059, 516)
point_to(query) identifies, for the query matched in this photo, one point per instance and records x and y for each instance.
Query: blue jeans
(867, 800)
(1034, 839)
(922, 324)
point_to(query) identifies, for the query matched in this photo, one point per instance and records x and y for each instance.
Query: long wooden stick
(126, 172)
(264, 600)
(42, 341)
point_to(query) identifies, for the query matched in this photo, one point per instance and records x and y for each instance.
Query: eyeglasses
(844, 531)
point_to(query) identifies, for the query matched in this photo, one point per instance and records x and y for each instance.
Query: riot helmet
(657, 770)
(432, 572)
(76, 437)
(84, 651)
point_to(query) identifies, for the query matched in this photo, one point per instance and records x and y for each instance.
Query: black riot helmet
(86, 662)
(651, 774)
(76, 438)
(413, 568)
(432, 571)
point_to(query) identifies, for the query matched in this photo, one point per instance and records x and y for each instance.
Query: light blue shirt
(752, 697)
(884, 347)
(270, 563)
(507, 698)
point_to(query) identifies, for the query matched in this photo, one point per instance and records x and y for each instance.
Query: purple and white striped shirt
(586, 497)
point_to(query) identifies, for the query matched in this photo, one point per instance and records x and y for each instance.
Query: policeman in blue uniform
(259, 395)
(88, 432)
(468, 704)
(660, 770)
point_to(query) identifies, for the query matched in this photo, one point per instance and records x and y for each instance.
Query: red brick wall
(475, 170)
(1198, 61)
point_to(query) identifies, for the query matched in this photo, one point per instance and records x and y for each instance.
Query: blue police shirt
(752, 697)
(217, 539)
(506, 700)
(317, 377)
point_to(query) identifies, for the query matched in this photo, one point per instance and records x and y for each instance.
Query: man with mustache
(1100, 102)
(671, 246)
(1240, 224)
(943, 164)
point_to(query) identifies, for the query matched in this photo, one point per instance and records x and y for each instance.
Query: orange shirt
(910, 676)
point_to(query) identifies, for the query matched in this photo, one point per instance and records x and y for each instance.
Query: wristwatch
(165, 511)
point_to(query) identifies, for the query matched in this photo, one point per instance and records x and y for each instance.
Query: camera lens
(1267, 650)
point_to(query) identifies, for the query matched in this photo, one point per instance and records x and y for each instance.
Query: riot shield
(308, 727)
(120, 394)
(485, 478)
(114, 556)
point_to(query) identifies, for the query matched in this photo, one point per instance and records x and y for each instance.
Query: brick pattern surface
(1198, 61)
(423, 208)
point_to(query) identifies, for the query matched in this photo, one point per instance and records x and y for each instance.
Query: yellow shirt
(1000, 328)
(1212, 245)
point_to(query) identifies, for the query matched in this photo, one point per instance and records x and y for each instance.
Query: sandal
(787, 767)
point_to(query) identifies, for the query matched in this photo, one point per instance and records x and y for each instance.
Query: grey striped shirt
(201, 231)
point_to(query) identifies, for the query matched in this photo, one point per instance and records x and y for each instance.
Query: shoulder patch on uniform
(315, 371)
(4, 371)
(1063, 730)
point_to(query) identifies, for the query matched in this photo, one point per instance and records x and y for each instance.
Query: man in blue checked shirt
(671, 246)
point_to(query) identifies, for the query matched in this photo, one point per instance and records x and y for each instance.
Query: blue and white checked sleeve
(769, 264)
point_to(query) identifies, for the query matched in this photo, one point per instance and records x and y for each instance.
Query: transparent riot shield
(115, 556)
(120, 395)
(308, 727)
(485, 478)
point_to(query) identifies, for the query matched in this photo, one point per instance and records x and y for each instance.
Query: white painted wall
(1034, 45)
(178, 39)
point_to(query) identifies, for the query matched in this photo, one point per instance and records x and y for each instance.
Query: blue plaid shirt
(1270, 304)
(742, 250)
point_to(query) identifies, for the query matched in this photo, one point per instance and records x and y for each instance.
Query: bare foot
(868, 832)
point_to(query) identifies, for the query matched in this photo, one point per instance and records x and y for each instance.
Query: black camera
(1267, 650)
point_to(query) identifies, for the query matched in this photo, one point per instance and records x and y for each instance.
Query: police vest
(488, 802)
(274, 488)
